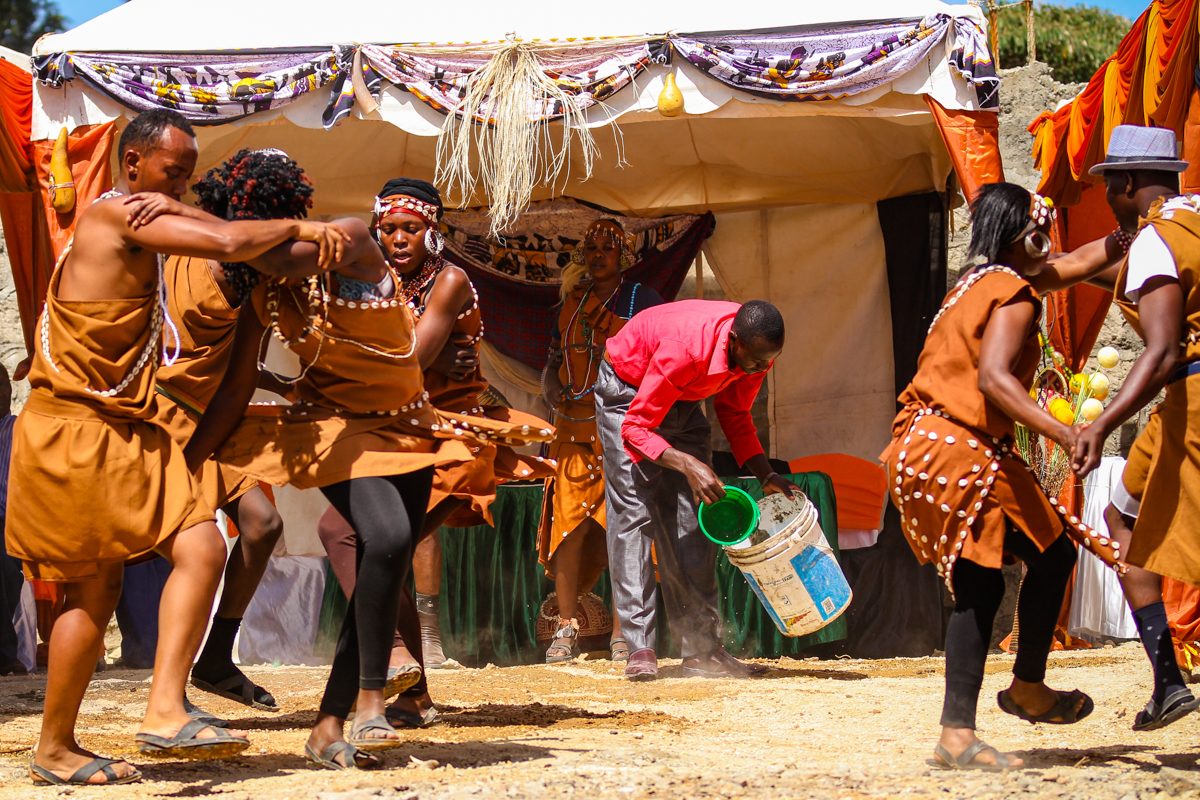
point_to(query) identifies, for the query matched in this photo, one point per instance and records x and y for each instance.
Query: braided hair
(254, 185)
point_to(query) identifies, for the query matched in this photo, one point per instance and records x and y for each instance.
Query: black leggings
(386, 513)
(978, 592)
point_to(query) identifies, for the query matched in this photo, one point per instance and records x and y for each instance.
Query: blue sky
(80, 11)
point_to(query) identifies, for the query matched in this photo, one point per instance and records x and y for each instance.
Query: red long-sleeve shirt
(679, 351)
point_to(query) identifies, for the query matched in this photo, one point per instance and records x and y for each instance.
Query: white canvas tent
(793, 183)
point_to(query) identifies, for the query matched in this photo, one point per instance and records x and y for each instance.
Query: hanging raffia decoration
(498, 135)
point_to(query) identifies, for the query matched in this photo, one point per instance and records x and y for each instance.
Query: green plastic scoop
(730, 520)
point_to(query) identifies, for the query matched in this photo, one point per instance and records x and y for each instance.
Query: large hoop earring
(434, 241)
(626, 259)
(577, 255)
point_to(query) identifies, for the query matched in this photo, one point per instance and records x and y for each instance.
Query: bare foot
(957, 740)
(65, 762)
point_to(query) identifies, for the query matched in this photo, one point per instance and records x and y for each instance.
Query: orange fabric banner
(89, 149)
(973, 141)
(16, 109)
(1171, 49)
(1190, 180)
(29, 254)
(1075, 316)
(26, 236)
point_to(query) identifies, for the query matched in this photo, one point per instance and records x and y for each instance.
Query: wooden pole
(991, 5)
(1030, 32)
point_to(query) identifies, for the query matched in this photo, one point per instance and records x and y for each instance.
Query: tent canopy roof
(155, 26)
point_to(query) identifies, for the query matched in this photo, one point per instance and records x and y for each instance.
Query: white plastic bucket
(793, 573)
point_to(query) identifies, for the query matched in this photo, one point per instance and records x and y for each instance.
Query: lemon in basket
(1092, 408)
(1062, 411)
(1099, 386)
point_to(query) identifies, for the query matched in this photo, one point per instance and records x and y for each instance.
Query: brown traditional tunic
(93, 480)
(205, 321)
(362, 410)
(1163, 470)
(953, 469)
(476, 480)
(576, 492)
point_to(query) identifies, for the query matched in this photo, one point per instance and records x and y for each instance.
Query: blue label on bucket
(762, 598)
(823, 579)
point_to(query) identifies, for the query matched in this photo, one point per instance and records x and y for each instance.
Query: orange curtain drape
(89, 150)
(973, 140)
(1149, 80)
(1075, 316)
(26, 234)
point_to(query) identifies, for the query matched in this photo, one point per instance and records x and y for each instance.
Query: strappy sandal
(1062, 713)
(618, 649)
(407, 719)
(966, 759)
(239, 689)
(371, 743)
(44, 777)
(401, 679)
(563, 647)
(1178, 705)
(351, 755)
(185, 744)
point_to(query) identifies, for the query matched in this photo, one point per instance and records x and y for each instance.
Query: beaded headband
(403, 204)
(1041, 209)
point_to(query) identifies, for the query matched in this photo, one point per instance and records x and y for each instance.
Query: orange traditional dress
(953, 469)
(361, 409)
(476, 480)
(1163, 470)
(205, 322)
(576, 492)
(94, 480)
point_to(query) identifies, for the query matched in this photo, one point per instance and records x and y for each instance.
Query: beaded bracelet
(1123, 238)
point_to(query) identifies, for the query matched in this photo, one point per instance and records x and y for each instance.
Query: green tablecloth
(493, 587)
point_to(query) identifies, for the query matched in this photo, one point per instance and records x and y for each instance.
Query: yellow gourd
(670, 99)
(62, 183)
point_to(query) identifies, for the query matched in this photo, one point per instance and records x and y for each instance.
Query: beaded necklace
(588, 335)
(318, 306)
(967, 284)
(408, 292)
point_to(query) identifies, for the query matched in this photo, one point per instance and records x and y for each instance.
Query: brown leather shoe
(719, 664)
(642, 665)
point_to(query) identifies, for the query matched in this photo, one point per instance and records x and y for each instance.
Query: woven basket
(595, 623)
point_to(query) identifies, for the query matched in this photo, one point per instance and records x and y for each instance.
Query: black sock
(216, 660)
(1155, 631)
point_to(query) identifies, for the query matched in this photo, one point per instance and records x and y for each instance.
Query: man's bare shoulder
(102, 263)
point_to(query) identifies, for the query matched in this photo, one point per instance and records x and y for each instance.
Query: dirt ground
(812, 729)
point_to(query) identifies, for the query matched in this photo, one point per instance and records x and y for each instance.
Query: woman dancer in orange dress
(965, 497)
(443, 300)
(361, 430)
(597, 302)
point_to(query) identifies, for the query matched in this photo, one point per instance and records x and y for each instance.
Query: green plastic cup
(730, 520)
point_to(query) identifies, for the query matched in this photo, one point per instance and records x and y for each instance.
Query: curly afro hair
(254, 185)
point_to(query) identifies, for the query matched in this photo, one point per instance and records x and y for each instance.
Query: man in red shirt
(650, 395)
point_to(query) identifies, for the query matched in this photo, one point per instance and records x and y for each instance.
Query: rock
(1175, 781)
(419, 764)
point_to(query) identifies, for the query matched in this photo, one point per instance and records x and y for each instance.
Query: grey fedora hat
(1138, 147)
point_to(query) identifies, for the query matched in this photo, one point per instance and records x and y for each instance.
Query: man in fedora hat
(1155, 510)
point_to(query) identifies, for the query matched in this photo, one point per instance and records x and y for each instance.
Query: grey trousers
(647, 503)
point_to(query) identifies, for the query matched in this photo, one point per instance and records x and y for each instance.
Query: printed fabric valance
(518, 279)
(802, 65)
